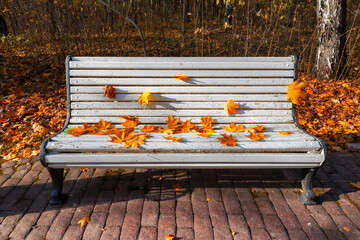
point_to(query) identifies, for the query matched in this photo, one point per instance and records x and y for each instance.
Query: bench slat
(188, 89)
(184, 59)
(177, 113)
(174, 73)
(180, 65)
(184, 97)
(179, 105)
(190, 137)
(174, 81)
(295, 146)
(156, 120)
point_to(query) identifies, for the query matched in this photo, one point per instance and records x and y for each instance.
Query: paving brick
(94, 228)
(200, 208)
(4, 178)
(230, 200)
(131, 226)
(203, 228)
(252, 215)
(104, 201)
(116, 214)
(150, 214)
(12, 198)
(275, 227)
(41, 201)
(8, 171)
(21, 171)
(239, 226)
(148, 233)
(29, 178)
(37, 166)
(81, 212)
(221, 233)
(37, 232)
(8, 186)
(184, 215)
(351, 212)
(166, 225)
(135, 203)
(111, 233)
(59, 225)
(34, 190)
(265, 206)
(185, 234)
(8, 224)
(73, 232)
(47, 217)
(259, 234)
(297, 234)
(218, 215)
(8, 164)
(24, 226)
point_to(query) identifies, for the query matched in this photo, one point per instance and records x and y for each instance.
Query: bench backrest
(259, 85)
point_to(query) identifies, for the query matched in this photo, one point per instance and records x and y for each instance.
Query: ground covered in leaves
(33, 104)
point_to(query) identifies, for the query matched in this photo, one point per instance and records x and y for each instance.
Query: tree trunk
(3, 27)
(331, 37)
(229, 10)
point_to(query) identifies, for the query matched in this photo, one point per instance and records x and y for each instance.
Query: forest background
(36, 37)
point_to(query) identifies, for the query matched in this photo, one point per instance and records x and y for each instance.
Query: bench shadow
(331, 181)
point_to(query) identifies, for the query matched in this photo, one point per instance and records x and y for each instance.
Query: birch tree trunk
(331, 37)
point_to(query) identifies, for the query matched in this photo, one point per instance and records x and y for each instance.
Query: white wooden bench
(258, 85)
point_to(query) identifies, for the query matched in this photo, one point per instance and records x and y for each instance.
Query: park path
(211, 204)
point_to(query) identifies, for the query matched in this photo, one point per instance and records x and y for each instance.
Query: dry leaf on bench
(174, 139)
(256, 137)
(130, 122)
(144, 98)
(295, 92)
(84, 221)
(285, 133)
(230, 107)
(227, 140)
(109, 91)
(233, 128)
(204, 135)
(255, 128)
(184, 78)
(151, 129)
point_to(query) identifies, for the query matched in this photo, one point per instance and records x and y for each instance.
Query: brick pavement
(212, 204)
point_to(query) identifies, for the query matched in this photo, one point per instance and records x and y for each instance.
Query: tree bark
(3, 27)
(331, 15)
(229, 10)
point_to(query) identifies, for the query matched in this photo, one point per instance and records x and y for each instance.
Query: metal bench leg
(57, 177)
(308, 195)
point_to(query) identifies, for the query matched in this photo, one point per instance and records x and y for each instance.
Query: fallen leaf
(206, 125)
(184, 78)
(204, 135)
(208, 199)
(144, 98)
(84, 221)
(136, 141)
(176, 186)
(256, 137)
(123, 135)
(151, 129)
(109, 91)
(255, 128)
(295, 92)
(169, 237)
(346, 229)
(233, 128)
(285, 133)
(172, 123)
(233, 233)
(230, 107)
(357, 185)
(84, 169)
(227, 140)
(76, 131)
(174, 139)
(130, 122)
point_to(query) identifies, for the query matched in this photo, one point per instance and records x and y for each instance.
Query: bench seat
(258, 85)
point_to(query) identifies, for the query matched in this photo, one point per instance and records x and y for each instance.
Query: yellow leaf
(206, 125)
(227, 140)
(84, 221)
(174, 139)
(357, 185)
(256, 137)
(176, 186)
(208, 199)
(233, 128)
(295, 92)
(285, 133)
(151, 129)
(172, 123)
(230, 107)
(130, 122)
(184, 78)
(346, 229)
(109, 91)
(143, 99)
(204, 135)
(136, 141)
(169, 237)
(255, 128)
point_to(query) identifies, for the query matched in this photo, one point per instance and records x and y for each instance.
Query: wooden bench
(258, 85)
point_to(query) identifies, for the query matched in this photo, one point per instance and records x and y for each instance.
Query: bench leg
(308, 195)
(57, 177)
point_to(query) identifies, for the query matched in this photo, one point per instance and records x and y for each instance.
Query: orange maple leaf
(122, 135)
(130, 122)
(76, 131)
(255, 128)
(185, 127)
(151, 129)
(176, 186)
(204, 135)
(184, 78)
(97, 128)
(144, 98)
(256, 137)
(233, 128)
(169, 237)
(295, 92)
(84, 221)
(227, 140)
(206, 125)
(230, 107)
(174, 139)
(285, 133)
(109, 91)
(136, 141)
(172, 123)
